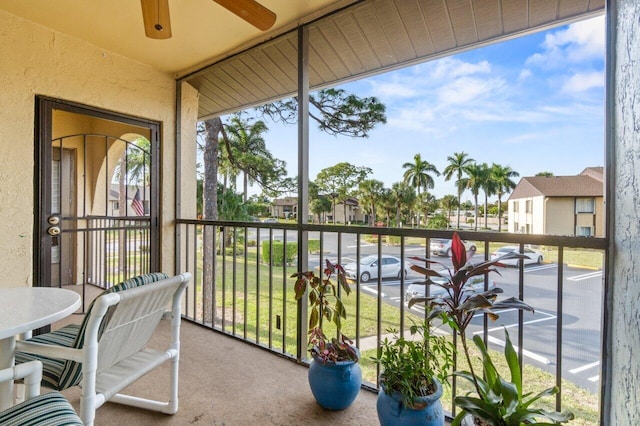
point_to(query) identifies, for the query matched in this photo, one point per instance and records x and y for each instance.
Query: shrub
(314, 246)
(278, 252)
(438, 222)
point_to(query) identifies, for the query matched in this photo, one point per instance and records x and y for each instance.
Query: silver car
(391, 267)
(474, 285)
(532, 256)
(442, 246)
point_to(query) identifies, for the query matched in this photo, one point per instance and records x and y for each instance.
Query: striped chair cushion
(50, 409)
(62, 374)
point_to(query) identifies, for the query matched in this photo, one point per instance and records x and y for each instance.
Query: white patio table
(24, 309)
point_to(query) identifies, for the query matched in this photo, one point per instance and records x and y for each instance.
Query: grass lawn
(261, 307)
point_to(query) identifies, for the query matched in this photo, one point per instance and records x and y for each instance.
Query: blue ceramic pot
(335, 385)
(391, 411)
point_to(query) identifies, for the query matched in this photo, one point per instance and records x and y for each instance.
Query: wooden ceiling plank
(567, 8)
(210, 89)
(357, 44)
(439, 24)
(274, 69)
(261, 69)
(323, 54)
(395, 31)
(462, 21)
(542, 12)
(515, 15)
(416, 26)
(488, 18)
(371, 29)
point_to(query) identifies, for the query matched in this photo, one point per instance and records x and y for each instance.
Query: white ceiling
(202, 30)
(374, 36)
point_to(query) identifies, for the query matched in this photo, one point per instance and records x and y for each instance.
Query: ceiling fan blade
(251, 11)
(155, 14)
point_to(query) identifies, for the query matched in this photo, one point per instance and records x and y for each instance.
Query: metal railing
(242, 286)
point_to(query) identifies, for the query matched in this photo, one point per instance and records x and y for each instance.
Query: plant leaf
(458, 252)
(512, 302)
(511, 357)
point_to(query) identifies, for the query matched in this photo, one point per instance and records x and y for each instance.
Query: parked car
(391, 268)
(442, 246)
(270, 220)
(533, 256)
(473, 286)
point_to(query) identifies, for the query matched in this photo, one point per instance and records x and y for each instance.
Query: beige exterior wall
(554, 216)
(559, 216)
(37, 61)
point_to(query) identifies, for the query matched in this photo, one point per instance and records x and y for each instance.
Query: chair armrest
(51, 351)
(30, 371)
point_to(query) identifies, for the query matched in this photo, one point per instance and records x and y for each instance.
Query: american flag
(136, 204)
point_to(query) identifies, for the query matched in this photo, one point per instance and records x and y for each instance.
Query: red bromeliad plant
(325, 303)
(460, 305)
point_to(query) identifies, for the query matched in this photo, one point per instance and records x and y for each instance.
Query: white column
(621, 374)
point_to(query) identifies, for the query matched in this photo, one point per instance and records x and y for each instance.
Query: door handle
(53, 231)
(53, 220)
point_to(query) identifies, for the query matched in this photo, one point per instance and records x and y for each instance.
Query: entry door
(96, 197)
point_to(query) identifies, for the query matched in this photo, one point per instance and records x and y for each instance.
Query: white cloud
(581, 82)
(448, 68)
(466, 90)
(389, 89)
(524, 74)
(578, 43)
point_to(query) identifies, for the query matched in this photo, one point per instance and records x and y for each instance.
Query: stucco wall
(559, 215)
(622, 313)
(37, 61)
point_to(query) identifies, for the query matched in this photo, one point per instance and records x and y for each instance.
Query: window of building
(515, 207)
(516, 227)
(584, 231)
(528, 207)
(585, 205)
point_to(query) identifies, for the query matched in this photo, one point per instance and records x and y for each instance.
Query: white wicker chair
(109, 350)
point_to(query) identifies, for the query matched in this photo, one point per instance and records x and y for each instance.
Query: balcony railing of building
(242, 287)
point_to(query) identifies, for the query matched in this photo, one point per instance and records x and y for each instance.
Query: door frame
(44, 107)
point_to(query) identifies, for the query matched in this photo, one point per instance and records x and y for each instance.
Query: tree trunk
(475, 213)
(499, 211)
(213, 127)
(458, 209)
(486, 207)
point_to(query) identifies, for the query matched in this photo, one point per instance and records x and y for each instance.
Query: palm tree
(369, 194)
(426, 202)
(488, 186)
(448, 202)
(502, 177)
(418, 175)
(474, 183)
(458, 164)
(249, 146)
(402, 198)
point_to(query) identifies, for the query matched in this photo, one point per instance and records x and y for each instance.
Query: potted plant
(501, 401)
(413, 371)
(335, 375)
(459, 303)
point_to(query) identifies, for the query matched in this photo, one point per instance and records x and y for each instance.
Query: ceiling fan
(155, 14)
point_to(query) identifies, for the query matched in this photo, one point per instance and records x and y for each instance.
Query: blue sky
(534, 103)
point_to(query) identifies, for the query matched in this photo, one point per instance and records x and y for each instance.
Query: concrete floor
(224, 381)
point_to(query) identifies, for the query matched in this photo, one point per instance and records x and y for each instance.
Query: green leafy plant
(410, 365)
(501, 402)
(458, 307)
(325, 304)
